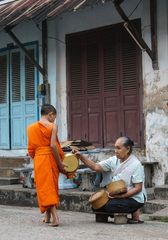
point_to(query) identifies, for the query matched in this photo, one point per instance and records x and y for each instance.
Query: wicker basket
(98, 199)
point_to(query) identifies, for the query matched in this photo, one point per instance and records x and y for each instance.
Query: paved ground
(25, 223)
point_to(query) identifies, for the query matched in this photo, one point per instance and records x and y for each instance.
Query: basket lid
(117, 187)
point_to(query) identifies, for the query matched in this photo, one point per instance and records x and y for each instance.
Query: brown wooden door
(103, 72)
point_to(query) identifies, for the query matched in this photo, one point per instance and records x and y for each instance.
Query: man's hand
(76, 153)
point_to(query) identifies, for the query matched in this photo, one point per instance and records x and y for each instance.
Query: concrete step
(161, 192)
(8, 172)
(75, 200)
(16, 195)
(166, 177)
(70, 199)
(14, 162)
(150, 193)
(161, 215)
(7, 166)
(152, 206)
(9, 180)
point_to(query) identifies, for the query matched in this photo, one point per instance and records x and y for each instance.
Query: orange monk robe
(46, 172)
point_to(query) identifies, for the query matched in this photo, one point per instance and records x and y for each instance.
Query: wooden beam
(153, 18)
(20, 45)
(133, 30)
(118, 1)
(44, 49)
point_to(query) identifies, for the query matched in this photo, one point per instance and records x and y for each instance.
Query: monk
(44, 148)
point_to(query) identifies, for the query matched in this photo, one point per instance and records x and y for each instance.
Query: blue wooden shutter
(23, 96)
(16, 101)
(4, 103)
(30, 92)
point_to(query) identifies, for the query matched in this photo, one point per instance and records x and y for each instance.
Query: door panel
(94, 121)
(77, 101)
(30, 116)
(93, 91)
(16, 101)
(4, 127)
(23, 96)
(130, 88)
(4, 102)
(30, 108)
(112, 127)
(16, 126)
(131, 122)
(111, 95)
(77, 120)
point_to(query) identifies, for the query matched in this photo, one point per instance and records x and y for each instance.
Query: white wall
(156, 97)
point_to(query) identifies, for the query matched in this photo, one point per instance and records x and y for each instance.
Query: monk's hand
(61, 167)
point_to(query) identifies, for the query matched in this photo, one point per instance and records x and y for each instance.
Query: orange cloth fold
(43, 151)
(46, 171)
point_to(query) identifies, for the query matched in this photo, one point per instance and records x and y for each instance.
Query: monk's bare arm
(31, 150)
(55, 149)
(89, 163)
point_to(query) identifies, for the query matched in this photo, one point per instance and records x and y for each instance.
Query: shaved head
(48, 108)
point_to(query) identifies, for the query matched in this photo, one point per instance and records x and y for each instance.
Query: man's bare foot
(53, 225)
(47, 216)
(55, 220)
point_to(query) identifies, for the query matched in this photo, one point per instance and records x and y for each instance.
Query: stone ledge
(153, 206)
(9, 180)
(70, 199)
(161, 215)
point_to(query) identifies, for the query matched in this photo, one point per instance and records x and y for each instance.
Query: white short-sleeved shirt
(135, 175)
(109, 166)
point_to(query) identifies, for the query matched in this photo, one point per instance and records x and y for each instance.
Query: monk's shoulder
(32, 125)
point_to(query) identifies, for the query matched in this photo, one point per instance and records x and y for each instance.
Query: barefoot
(55, 219)
(47, 216)
(53, 225)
